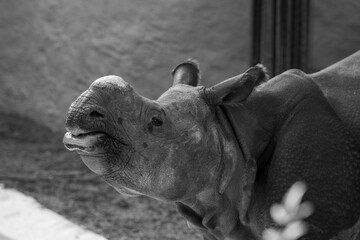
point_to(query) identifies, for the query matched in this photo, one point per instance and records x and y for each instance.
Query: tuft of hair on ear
(190, 62)
(262, 71)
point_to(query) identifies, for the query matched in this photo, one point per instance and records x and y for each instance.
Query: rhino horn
(187, 72)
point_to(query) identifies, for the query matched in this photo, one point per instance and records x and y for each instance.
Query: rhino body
(225, 154)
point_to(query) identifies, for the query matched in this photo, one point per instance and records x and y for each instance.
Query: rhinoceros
(224, 154)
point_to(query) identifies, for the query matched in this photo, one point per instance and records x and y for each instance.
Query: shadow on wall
(52, 50)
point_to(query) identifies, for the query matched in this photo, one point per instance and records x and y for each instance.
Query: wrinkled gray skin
(224, 154)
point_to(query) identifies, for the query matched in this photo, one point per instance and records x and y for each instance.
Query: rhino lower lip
(127, 192)
(83, 142)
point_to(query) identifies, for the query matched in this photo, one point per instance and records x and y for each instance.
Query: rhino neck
(221, 210)
(252, 130)
(216, 218)
(216, 215)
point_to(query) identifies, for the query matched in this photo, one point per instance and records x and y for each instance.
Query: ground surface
(34, 161)
(23, 218)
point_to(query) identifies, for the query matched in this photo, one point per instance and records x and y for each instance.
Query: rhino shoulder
(284, 91)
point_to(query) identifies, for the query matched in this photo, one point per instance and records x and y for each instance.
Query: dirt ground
(34, 161)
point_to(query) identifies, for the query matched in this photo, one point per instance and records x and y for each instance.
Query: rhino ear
(187, 72)
(238, 88)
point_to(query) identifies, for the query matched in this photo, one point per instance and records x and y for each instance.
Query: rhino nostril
(96, 114)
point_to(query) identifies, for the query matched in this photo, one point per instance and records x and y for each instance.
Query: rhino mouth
(84, 142)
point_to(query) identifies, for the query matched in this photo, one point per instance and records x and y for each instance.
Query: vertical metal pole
(287, 21)
(275, 36)
(257, 18)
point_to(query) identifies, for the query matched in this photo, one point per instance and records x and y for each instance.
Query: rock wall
(51, 50)
(335, 31)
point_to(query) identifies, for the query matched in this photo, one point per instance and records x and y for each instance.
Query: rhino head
(172, 148)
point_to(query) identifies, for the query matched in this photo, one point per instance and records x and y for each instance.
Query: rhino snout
(80, 118)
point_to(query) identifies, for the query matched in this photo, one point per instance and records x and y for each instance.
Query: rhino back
(340, 84)
(293, 131)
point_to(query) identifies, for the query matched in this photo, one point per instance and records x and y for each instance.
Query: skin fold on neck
(222, 208)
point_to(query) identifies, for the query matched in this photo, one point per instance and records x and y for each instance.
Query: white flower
(290, 214)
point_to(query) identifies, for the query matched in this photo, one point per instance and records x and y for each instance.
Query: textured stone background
(335, 31)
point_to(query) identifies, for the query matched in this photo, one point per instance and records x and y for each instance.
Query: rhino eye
(156, 122)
